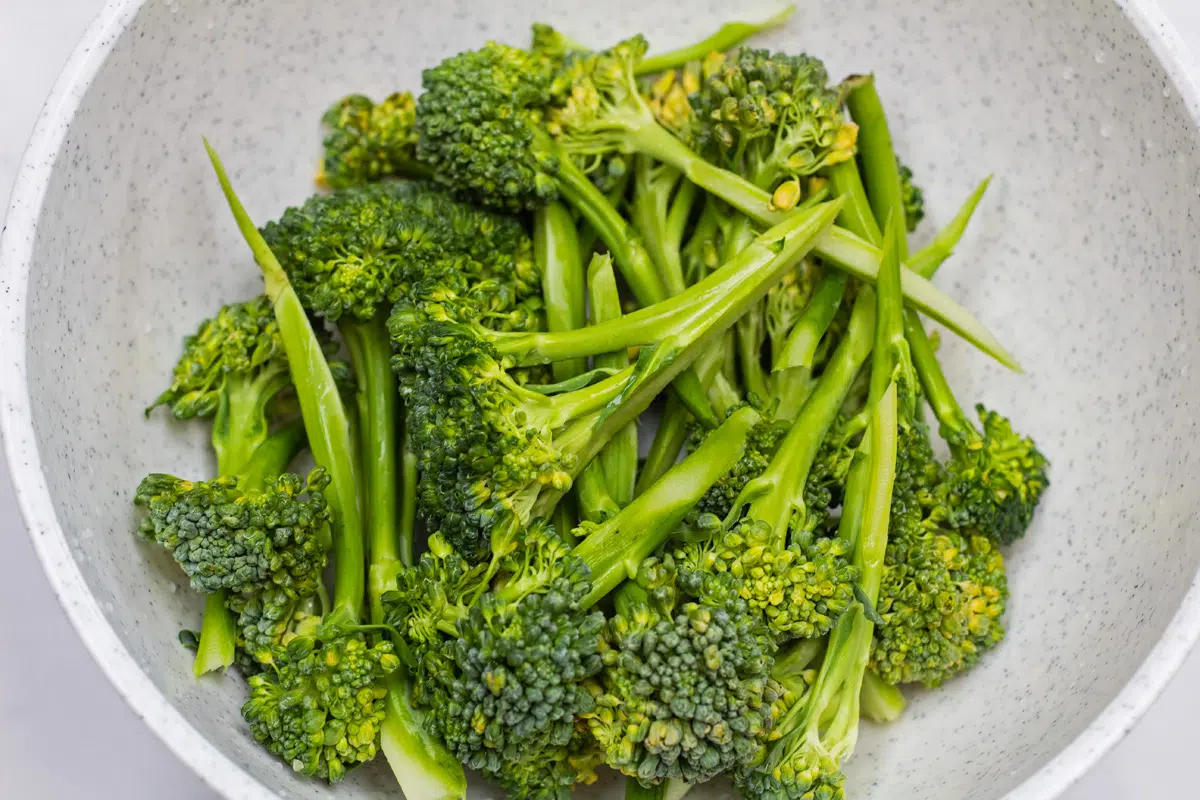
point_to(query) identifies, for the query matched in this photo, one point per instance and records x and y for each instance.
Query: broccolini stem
(614, 550)
(890, 347)
(857, 216)
(378, 429)
(657, 366)
(875, 150)
(779, 491)
(839, 246)
(596, 504)
(805, 336)
(270, 459)
(672, 433)
(727, 37)
(880, 162)
(325, 417)
(421, 763)
(626, 245)
(881, 702)
(217, 646)
(675, 316)
(677, 219)
(556, 251)
(634, 261)
(606, 483)
(240, 423)
(409, 469)
(938, 393)
(925, 262)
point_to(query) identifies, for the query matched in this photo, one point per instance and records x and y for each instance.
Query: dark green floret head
(771, 116)
(321, 706)
(243, 341)
(995, 479)
(480, 126)
(686, 690)
(511, 683)
(242, 541)
(367, 141)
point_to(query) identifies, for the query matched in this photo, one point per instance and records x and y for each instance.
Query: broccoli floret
(799, 590)
(368, 142)
(685, 692)
(799, 581)
(996, 477)
(227, 535)
(505, 652)
(771, 117)
(322, 706)
(233, 357)
(943, 592)
(353, 254)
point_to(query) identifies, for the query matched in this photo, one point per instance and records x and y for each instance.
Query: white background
(64, 732)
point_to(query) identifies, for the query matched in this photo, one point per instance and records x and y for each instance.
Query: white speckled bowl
(1083, 259)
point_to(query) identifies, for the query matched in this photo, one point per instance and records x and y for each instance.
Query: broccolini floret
(368, 142)
(684, 692)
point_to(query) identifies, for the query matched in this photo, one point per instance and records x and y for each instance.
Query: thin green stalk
(727, 37)
(889, 320)
(409, 473)
(800, 348)
(674, 316)
(938, 393)
(325, 417)
(556, 252)
(884, 188)
(927, 260)
(778, 493)
(880, 163)
(421, 764)
(632, 259)
(378, 428)
(675, 426)
(839, 246)
(614, 549)
(881, 702)
(217, 645)
(618, 460)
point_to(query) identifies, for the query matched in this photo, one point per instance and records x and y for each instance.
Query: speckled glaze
(1083, 260)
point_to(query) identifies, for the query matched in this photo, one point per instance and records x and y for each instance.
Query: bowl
(1082, 259)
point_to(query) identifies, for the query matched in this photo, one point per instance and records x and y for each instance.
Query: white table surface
(64, 731)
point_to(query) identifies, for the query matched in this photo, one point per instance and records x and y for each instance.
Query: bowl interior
(1082, 259)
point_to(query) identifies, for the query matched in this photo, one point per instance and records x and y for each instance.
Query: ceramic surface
(1083, 260)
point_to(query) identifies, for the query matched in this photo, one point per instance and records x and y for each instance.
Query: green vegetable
(324, 702)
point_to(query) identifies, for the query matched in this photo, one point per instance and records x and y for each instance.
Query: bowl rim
(221, 773)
